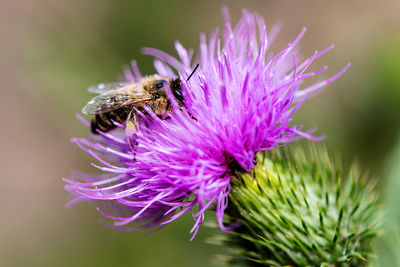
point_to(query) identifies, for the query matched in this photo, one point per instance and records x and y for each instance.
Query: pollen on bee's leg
(130, 128)
(130, 131)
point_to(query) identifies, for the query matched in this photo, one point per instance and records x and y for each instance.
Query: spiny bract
(297, 210)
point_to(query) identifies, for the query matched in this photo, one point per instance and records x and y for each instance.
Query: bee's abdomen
(105, 121)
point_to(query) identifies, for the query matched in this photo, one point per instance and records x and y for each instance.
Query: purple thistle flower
(240, 101)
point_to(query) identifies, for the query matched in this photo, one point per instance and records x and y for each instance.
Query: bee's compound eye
(159, 84)
(178, 95)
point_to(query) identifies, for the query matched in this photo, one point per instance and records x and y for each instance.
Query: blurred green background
(51, 51)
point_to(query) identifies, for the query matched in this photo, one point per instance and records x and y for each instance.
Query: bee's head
(160, 87)
(176, 87)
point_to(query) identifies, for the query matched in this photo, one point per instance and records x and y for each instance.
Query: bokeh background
(51, 51)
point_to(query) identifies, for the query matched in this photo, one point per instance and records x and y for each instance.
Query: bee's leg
(191, 116)
(131, 128)
(131, 123)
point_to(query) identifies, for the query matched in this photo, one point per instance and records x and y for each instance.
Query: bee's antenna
(190, 76)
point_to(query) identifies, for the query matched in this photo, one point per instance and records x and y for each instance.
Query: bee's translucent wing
(104, 87)
(115, 99)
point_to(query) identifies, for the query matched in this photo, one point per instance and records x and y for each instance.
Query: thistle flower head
(296, 208)
(240, 101)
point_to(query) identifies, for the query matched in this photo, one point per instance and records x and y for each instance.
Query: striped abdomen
(104, 121)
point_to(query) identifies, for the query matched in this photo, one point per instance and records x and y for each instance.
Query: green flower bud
(296, 209)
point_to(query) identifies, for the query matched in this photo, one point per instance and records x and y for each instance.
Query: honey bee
(118, 101)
